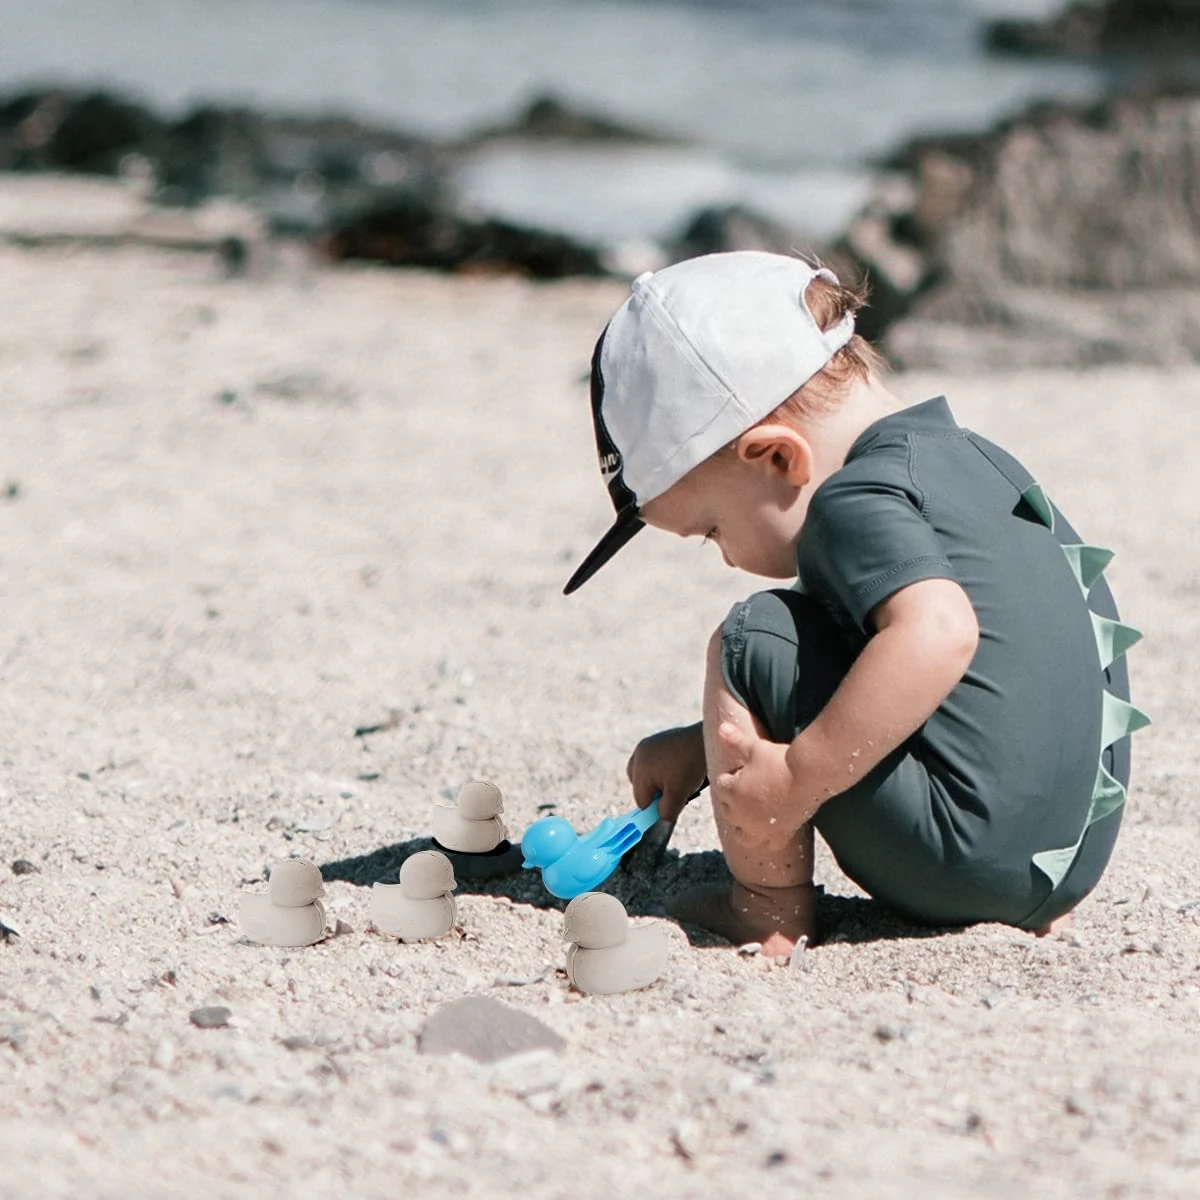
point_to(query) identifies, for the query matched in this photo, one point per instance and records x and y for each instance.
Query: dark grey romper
(1005, 804)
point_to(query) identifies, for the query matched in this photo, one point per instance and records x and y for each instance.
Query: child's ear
(780, 447)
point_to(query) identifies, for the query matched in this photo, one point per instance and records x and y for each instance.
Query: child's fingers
(644, 790)
(735, 741)
(671, 804)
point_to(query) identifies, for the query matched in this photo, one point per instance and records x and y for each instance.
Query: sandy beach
(239, 521)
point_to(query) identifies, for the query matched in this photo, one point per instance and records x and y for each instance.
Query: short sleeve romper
(1005, 804)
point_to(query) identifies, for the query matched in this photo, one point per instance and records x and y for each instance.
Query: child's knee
(781, 657)
(758, 657)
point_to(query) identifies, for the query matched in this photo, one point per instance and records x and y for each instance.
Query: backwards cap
(699, 353)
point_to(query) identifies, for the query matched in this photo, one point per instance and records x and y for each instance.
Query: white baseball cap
(699, 353)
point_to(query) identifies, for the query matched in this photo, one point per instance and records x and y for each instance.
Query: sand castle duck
(290, 912)
(472, 824)
(471, 833)
(606, 955)
(420, 906)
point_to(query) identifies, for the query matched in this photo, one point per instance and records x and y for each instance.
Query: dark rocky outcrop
(732, 227)
(360, 190)
(218, 151)
(1103, 27)
(548, 117)
(411, 232)
(59, 130)
(1099, 204)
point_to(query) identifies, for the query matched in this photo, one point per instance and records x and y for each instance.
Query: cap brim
(626, 525)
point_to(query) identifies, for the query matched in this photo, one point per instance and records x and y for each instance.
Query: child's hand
(758, 792)
(671, 762)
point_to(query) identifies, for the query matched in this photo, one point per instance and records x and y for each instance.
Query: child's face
(752, 513)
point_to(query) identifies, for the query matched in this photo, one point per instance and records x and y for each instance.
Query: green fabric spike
(1118, 719)
(1113, 639)
(1055, 864)
(1087, 563)
(1107, 796)
(1037, 499)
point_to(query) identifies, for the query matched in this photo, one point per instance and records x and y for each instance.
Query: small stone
(484, 1030)
(164, 1055)
(22, 866)
(12, 1035)
(798, 961)
(314, 824)
(215, 1016)
(687, 1139)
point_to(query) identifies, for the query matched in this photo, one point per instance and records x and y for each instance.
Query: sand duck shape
(420, 906)
(472, 824)
(471, 832)
(606, 954)
(290, 912)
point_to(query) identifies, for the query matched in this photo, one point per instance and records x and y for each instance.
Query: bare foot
(777, 918)
(1058, 925)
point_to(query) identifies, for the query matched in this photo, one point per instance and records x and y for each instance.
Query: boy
(942, 693)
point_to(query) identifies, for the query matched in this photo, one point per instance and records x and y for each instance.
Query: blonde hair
(857, 360)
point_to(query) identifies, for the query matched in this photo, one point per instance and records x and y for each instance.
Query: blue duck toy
(571, 864)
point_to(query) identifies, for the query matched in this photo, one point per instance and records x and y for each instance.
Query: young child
(942, 692)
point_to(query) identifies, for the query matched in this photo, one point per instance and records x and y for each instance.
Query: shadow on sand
(642, 887)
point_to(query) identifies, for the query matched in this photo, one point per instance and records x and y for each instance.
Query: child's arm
(925, 637)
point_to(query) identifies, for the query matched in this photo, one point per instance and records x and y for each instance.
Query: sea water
(777, 104)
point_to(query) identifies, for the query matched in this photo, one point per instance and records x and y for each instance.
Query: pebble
(13, 1035)
(484, 1030)
(215, 1016)
(164, 1055)
(22, 866)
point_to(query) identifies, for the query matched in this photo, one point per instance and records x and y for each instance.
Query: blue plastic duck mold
(571, 864)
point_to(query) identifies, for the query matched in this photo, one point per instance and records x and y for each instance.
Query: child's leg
(765, 671)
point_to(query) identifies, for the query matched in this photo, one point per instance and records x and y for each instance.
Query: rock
(301, 171)
(1061, 236)
(549, 117)
(485, 1030)
(732, 227)
(64, 130)
(163, 1057)
(412, 232)
(22, 866)
(13, 1035)
(213, 1017)
(1091, 28)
